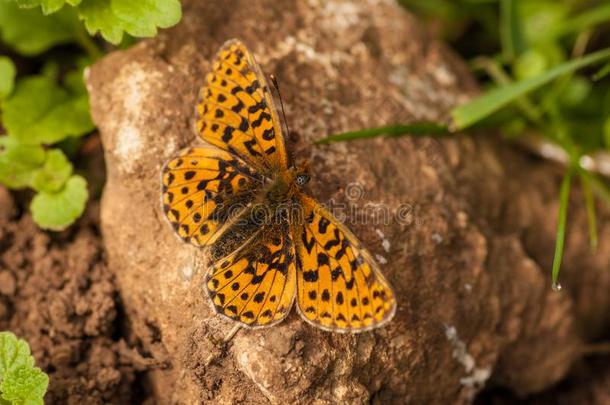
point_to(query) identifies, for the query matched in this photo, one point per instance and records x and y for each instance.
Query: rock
(468, 237)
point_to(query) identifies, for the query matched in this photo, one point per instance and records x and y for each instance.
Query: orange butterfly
(242, 197)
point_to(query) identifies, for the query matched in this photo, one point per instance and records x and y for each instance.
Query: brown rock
(468, 245)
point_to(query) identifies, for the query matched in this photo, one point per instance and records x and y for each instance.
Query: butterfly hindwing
(236, 111)
(200, 188)
(340, 287)
(255, 285)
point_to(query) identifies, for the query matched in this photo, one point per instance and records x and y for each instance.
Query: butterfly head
(300, 174)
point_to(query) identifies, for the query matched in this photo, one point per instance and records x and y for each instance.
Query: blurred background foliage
(544, 70)
(48, 135)
(514, 40)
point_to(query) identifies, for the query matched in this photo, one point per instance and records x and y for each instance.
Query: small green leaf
(30, 32)
(56, 211)
(14, 353)
(7, 76)
(420, 128)
(41, 112)
(54, 174)
(98, 16)
(73, 80)
(540, 17)
(20, 382)
(48, 6)
(575, 91)
(18, 162)
(138, 18)
(481, 107)
(141, 18)
(25, 385)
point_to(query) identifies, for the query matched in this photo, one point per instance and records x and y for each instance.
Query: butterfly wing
(202, 188)
(236, 111)
(340, 287)
(255, 285)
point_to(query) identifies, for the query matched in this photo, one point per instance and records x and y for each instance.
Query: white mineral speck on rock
(475, 376)
(380, 259)
(385, 243)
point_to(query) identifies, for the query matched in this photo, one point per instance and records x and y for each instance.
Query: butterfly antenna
(277, 88)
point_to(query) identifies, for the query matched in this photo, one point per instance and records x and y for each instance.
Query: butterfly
(241, 196)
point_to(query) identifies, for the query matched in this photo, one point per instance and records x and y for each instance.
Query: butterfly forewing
(201, 189)
(236, 111)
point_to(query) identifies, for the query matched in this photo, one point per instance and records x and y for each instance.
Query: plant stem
(86, 43)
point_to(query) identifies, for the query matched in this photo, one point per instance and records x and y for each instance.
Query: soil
(56, 293)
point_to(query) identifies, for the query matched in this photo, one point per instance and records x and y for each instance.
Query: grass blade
(481, 107)
(579, 23)
(419, 128)
(564, 195)
(511, 35)
(603, 72)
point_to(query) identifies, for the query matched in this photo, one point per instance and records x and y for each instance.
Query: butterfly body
(270, 243)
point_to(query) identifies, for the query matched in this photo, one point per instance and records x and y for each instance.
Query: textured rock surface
(469, 260)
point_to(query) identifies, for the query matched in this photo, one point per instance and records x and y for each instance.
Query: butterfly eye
(302, 179)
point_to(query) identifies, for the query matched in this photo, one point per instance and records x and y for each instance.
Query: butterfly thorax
(286, 184)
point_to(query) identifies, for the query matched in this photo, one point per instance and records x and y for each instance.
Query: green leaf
(14, 353)
(41, 112)
(25, 385)
(30, 32)
(420, 128)
(20, 382)
(575, 91)
(19, 163)
(73, 80)
(48, 6)
(541, 16)
(54, 174)
(56, 211)
(481, 107)
(138, 18)
(141, 18)
(7, 76)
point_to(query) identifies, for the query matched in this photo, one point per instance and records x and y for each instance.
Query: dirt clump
(57, 293)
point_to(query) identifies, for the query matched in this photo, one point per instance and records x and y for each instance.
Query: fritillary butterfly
(241, 197)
